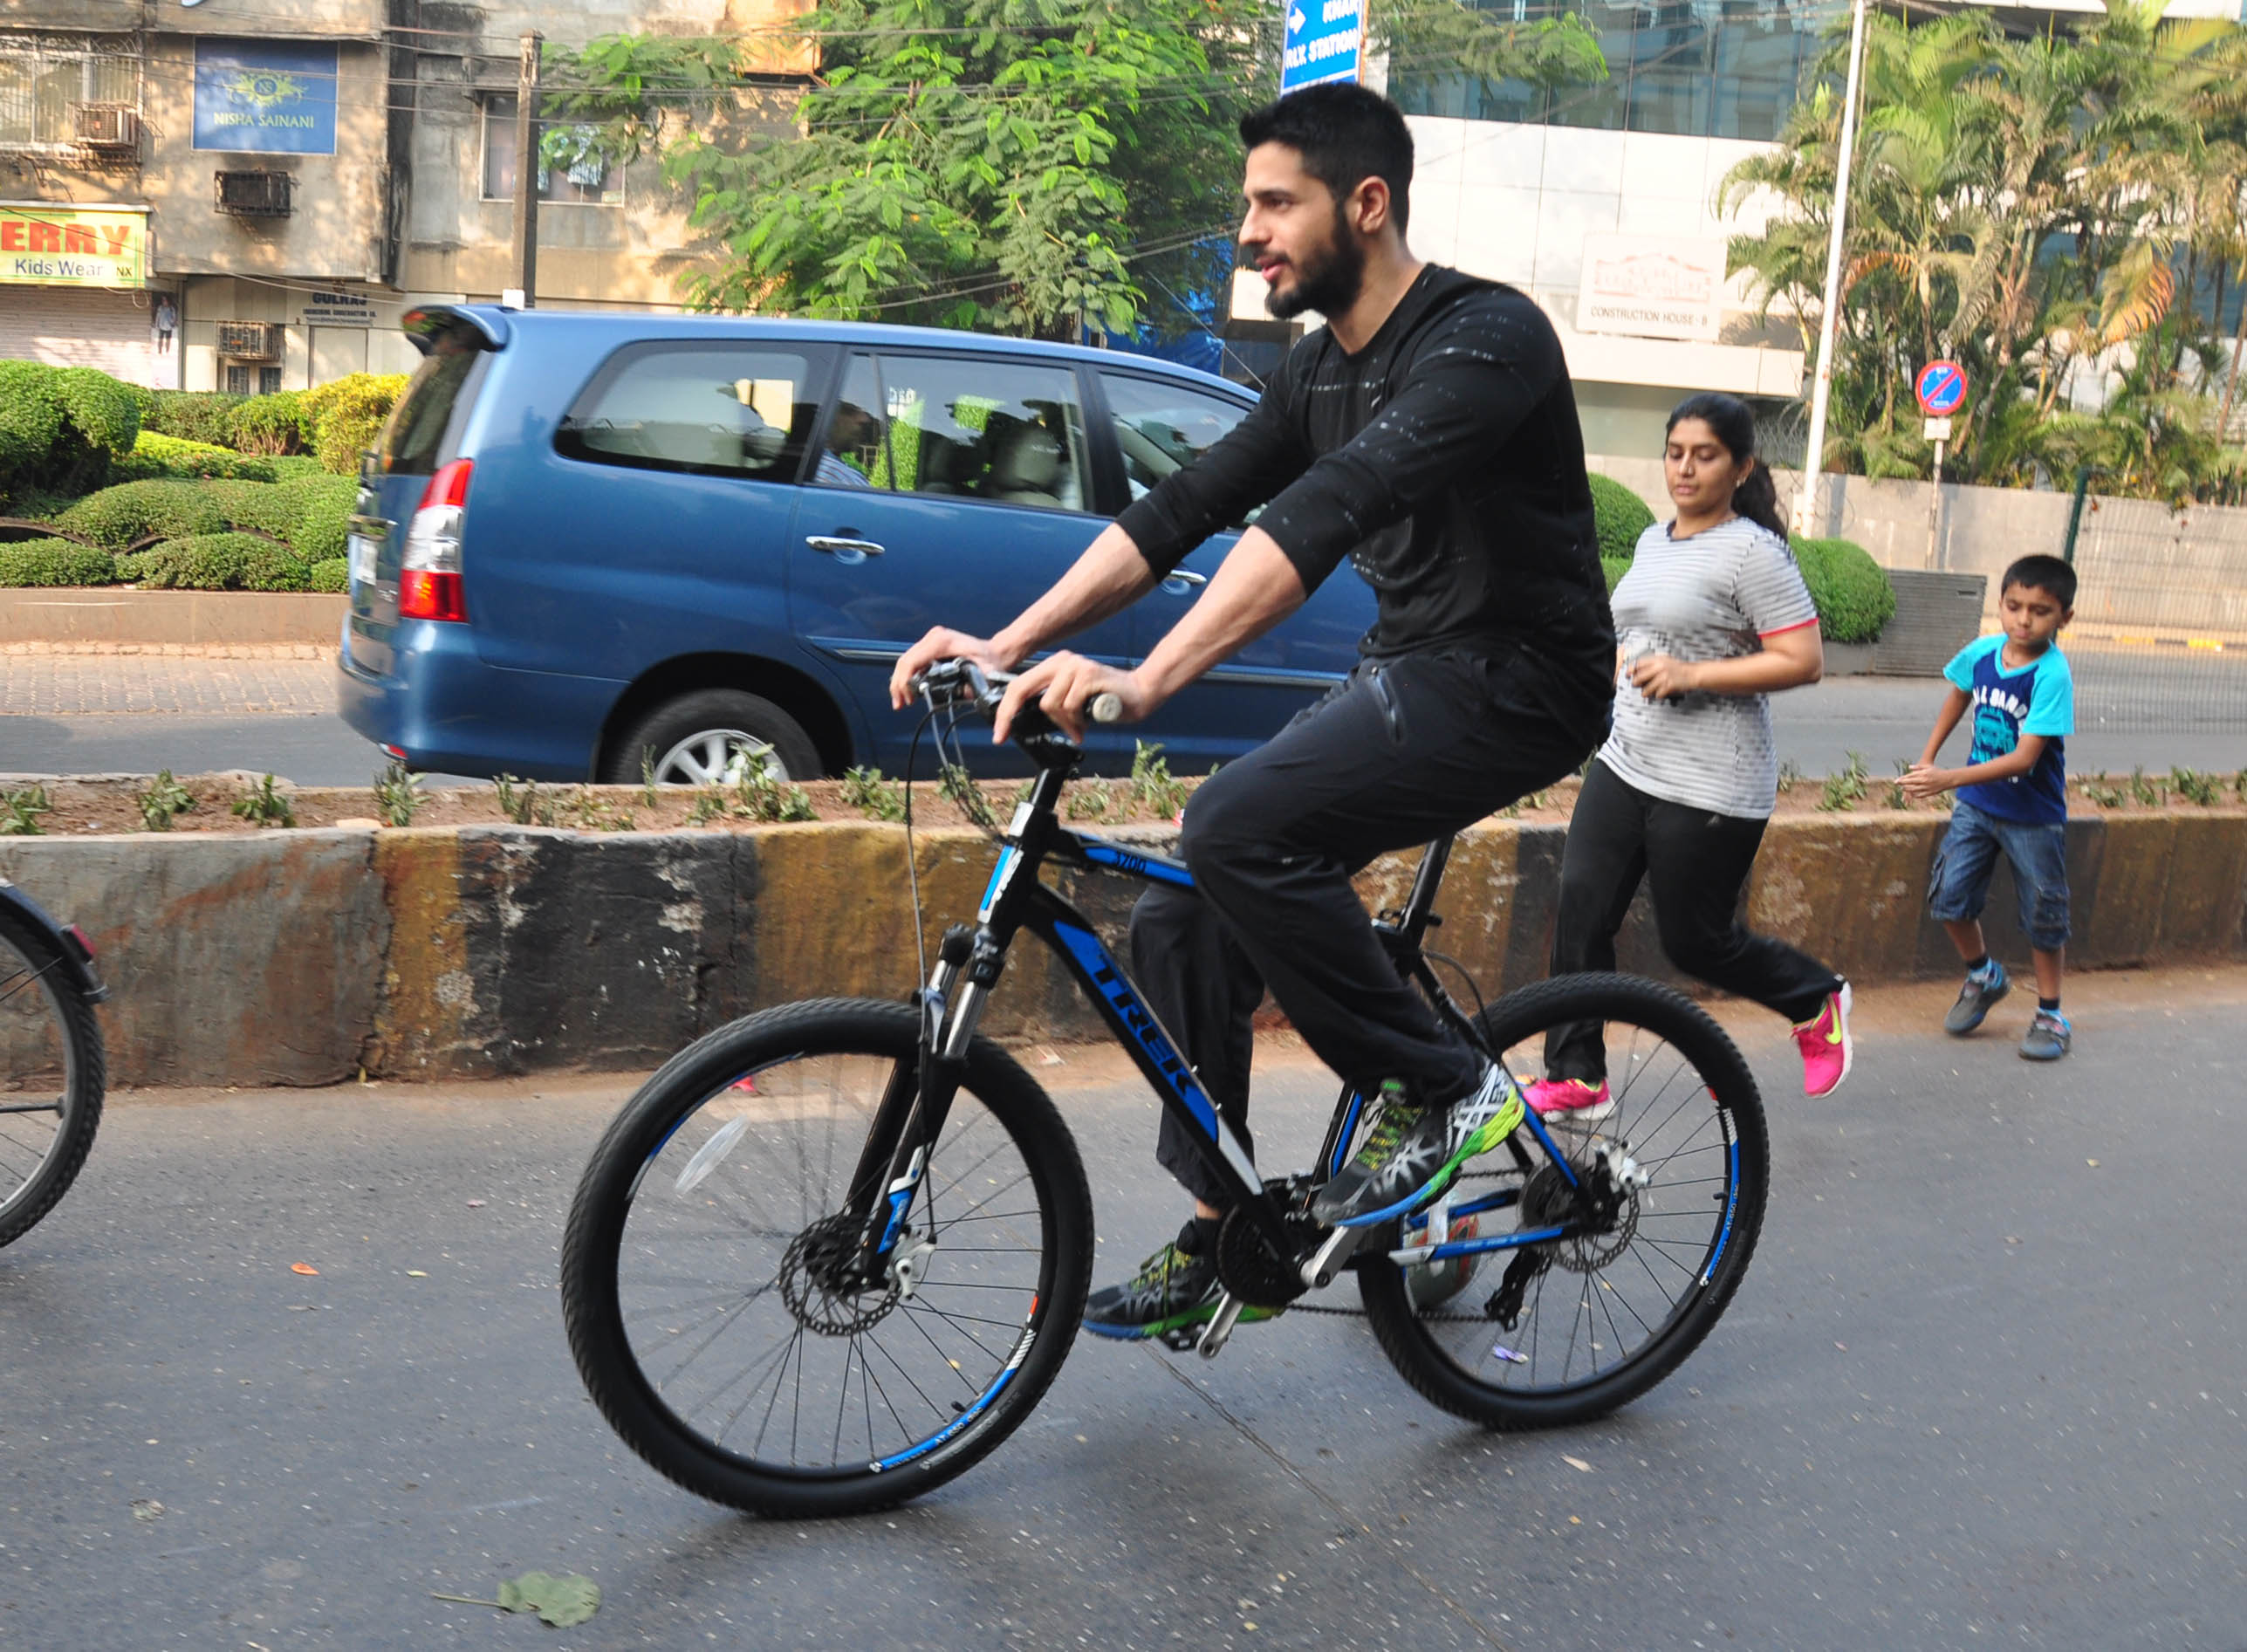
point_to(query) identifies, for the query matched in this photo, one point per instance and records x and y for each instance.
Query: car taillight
(429, 576)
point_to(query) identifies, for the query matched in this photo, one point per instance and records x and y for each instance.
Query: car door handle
(842, 550)
(1179, 581)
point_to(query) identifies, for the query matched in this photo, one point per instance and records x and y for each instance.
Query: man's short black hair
(1345, 135)
(2045, 574)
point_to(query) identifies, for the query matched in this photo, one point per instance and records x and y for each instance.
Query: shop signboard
(265, 97)
(44, 244)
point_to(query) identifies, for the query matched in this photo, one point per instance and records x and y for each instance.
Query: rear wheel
(51, 1077)
(703, 738)
(1568, 1330)
(701, 1280)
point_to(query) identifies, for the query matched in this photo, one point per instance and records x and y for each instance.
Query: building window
(244, 378)
(583, 177)
(41, 83)
(1730, 70)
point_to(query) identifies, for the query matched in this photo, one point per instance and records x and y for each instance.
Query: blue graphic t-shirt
(2038, 698)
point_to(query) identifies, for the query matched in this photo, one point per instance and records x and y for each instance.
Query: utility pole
(1822, 389)
(525, 293)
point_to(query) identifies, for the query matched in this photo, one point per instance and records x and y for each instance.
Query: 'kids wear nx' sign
(265, 97)
(45, 246)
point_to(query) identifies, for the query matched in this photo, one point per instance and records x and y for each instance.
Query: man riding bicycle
(1428, 435)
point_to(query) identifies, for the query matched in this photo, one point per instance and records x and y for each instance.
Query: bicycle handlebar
(964, 683)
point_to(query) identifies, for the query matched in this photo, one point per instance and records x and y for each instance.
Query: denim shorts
(1959, 882)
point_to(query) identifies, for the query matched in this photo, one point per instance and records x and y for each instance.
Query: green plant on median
(20, 813)
(2239, 785)
(878, 799)
(1846, 790)
(1790, 775)
(955, 783)
(522, 807)
(1090, 800)
(398, 794)
(2101, 791)
(53, 562)
(759, 796)
(709, 805)
(647, 776)
(263, 806)
(219, 562)
(2206, 789)
(2149, 793)
(164, 800)
(1154, 789)
(1895, 796)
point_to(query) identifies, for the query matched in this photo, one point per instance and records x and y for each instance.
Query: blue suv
(587, 541)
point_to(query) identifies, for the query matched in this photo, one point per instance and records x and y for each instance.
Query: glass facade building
(1700, 68)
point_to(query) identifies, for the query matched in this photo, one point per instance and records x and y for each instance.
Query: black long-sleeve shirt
(1444, 460)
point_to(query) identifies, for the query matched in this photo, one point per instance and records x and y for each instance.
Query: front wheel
(699, 1282)
(1568, 1330)
(52, 1068)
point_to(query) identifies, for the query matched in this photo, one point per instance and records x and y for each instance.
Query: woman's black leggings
(1698, 862)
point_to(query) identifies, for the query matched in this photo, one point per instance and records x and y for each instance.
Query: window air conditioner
(249, 341)
(114, 127)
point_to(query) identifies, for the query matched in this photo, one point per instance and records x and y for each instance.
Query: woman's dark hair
(1733, 423)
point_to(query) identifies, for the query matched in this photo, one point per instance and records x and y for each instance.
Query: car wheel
(700, 738)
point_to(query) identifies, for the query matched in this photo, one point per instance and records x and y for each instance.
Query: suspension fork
(915, 1104)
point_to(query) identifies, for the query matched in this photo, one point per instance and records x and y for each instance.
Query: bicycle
(926, 1270)
(50, 1045)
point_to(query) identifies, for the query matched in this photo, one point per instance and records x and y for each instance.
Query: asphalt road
(1983, 1385)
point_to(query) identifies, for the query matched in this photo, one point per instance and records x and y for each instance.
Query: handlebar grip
(1106, 708)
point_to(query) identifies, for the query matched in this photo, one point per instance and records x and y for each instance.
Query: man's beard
(1330, 284)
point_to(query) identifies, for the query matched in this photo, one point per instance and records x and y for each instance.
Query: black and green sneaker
(1174, 1288)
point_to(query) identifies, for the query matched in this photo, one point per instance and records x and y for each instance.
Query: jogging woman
(1712, 617)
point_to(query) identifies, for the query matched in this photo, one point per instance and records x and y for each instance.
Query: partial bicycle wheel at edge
(691, 1278)
(1597, 1319)
(52, 1079)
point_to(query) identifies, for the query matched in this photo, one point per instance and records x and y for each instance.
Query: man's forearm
(1256, 587)
(1109, 577)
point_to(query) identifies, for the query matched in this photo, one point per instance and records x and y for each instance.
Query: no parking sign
(1941, 388)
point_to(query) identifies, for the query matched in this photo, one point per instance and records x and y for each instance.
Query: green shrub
(219, 562)
(61, 428)
(322, 506)
(268, 424)
(1621, 516)
(1614, 568)
(334, 574)
(157, 455)
(56, 562)
(288, 467)
(120, 516)
(346, 414)
(193, 415)
(265, 507)
(1854, 596)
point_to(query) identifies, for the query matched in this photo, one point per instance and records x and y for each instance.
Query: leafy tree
(1018, 166)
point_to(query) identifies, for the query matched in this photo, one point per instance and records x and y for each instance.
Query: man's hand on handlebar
(1064, 688)
(941, 644)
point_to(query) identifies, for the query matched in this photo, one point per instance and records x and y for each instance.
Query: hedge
(194, 415)
(333, 574)
(1854, 596)
(1620, 516)
(55, 562)
(268, 424)
(156, 455)
(219, 562)
(1614, 568)
(61, 428)
(323, 505)
(347, 413)
(118, 516)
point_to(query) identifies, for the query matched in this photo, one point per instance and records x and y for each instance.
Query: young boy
(2013, 796)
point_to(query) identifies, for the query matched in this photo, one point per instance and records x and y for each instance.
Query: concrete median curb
(308, 956)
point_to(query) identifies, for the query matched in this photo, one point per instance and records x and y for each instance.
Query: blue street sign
(1323, 40)
(1941, 388)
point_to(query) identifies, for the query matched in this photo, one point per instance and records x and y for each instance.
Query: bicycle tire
(1430, 1348)
(776, 1049)
(48, 1036)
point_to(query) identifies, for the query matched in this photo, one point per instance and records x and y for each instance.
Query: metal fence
(2160, 637)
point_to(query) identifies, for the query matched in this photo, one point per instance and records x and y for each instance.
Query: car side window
(724, 409)
(1162, 427)
(1013, 432)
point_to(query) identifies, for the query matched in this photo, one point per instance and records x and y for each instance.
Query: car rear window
(723, 408)
(416, 430)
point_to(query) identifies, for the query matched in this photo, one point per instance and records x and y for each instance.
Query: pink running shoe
(1825, 1048)
(1572, 1098)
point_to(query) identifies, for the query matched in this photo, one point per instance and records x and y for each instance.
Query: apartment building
(246, 195)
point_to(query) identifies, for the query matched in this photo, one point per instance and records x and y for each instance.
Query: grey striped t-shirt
(1714, 596)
